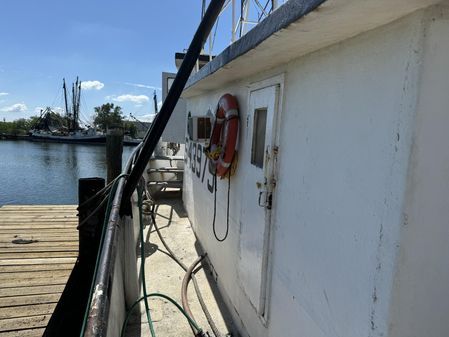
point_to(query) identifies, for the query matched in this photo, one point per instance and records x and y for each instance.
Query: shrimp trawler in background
(51, 127)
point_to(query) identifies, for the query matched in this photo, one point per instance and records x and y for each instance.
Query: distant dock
(38, 249)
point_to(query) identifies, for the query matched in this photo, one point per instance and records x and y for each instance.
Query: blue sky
(121, 47)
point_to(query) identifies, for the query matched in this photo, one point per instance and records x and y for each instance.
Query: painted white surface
(421, 291)
(255, 223)
(343, 264)
(333, 22)
(174, 131)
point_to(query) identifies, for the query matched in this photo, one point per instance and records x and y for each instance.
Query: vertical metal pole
(210, 47)
(245, 16)
(274, 4)
(90, 229)
(233, 22)
(242, 4)
(114, 151)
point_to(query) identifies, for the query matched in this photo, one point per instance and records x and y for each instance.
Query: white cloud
(138, 85)
(3, 94)
(18, 107)
(37, 110)
(138, 99)
(92, 85)
(58, 109)
(146, 118)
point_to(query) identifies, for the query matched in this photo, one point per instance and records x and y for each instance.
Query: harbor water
(48, 173)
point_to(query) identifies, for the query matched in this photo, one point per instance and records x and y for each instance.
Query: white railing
(243, 16)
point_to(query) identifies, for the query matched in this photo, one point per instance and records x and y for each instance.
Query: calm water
(45, 173)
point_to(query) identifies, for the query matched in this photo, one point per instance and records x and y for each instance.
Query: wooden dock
(38, 248)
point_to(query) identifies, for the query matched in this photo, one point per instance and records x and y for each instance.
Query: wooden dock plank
(24, 333)
(38, 255)
(18, 300)
(33, 274)
(13, 324)
(27, 310)
(31, 261)
(35, 267)
(4, 277)
(31, 290)
(36, 245)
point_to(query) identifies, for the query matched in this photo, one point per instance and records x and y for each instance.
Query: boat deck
(38, 248)
(165, 276)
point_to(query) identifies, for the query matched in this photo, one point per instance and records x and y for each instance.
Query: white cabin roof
(297, 28)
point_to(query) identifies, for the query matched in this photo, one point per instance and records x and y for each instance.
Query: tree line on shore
(104, 116)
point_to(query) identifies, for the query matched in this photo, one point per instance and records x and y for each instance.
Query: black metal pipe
(157, 127)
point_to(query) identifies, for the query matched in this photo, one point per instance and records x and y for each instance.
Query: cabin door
(259, 154)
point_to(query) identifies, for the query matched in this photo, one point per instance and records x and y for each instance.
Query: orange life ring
(224, 138)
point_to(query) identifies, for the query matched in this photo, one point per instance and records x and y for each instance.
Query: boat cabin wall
(174, 131)
(323, 260)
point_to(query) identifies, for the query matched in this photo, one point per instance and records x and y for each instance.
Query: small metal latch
(268, 199)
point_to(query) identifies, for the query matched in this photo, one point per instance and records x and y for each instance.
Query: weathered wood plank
(35, 267)
(30, 231)
(40, 261)
(38, 255)
(39, 321)
(29, 281)
(27, 310)
(32, 290)
(26, 223)
(5, 277)
(38, 244)
(24, 333)
(46, 207)
(37, 249)
(14, 301)
(46, 237)
(38, 215)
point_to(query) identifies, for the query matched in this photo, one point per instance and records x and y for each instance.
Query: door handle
(268, 199)
(260, 196)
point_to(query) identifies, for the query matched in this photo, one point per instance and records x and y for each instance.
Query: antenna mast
(155, 102)
(67, 113)
(78, 101)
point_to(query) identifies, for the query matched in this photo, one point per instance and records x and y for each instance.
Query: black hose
(160, 121)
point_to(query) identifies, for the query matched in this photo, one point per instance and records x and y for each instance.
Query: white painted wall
(347, 178)
(174, 131)
(421, 289)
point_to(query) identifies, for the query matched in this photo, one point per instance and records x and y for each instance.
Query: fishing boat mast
(76, 98)
(155, 102)
(67, 112)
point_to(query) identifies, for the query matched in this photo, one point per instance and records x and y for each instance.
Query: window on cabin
(258, 144)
